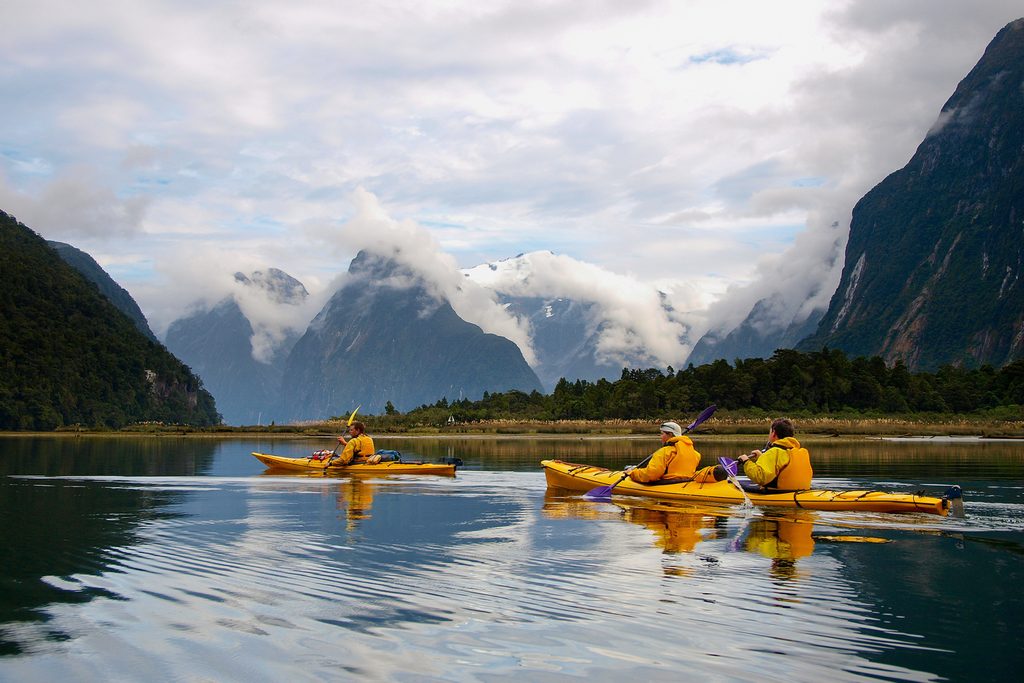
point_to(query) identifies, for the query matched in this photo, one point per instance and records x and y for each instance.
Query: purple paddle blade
(600, 493)
(729, 465)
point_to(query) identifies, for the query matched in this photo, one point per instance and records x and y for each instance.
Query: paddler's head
(781, 428)
(670, 429)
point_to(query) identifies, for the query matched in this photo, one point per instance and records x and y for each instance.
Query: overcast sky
(706, 148)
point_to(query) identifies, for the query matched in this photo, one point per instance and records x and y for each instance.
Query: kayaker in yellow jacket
(783, 465)
(676, 459)
(359, 448)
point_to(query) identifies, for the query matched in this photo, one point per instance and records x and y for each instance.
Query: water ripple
(488, 577)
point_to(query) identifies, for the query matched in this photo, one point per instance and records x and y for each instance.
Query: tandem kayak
(576, 477)
(280, 462)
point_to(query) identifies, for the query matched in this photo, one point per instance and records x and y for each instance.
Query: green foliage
(68, 356)
(823, 382)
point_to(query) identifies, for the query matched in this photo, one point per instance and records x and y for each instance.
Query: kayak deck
(577, 477)
(280, 462)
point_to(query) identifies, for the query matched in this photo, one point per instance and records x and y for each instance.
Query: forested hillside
(94, 273)
(68, 356)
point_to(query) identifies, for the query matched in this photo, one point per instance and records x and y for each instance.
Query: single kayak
(280, 462)
(576, 477)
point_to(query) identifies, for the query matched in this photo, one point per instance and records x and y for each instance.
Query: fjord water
(182, 559)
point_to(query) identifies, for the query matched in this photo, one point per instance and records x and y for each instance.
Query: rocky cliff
(935, 256)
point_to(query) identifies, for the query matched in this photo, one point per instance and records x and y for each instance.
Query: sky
(712, 151)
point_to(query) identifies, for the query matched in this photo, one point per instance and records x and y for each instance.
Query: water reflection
(674, 530)
(355, 499)
(781, 539)
(485, 576)
(98, 455)
(56, 531)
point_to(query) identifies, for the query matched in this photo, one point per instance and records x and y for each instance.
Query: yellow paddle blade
(353, 415)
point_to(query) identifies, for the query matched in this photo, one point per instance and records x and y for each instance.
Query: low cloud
(635, 325)
(793, 285)
(74, 205)
(411, 245)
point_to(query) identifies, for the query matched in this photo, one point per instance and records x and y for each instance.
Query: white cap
(672, 428)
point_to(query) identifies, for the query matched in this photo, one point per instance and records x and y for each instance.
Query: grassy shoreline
(717, 425)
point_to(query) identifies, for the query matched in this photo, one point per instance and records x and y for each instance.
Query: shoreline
(886, 428)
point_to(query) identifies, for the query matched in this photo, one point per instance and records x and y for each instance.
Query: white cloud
(74, 205)
(636, 323)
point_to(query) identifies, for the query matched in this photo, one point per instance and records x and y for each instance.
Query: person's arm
(655, 469)
(761, 468)
(349, 453)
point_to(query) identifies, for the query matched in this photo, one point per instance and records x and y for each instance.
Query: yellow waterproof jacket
(784, 465)
(677, 459)
(357, 447)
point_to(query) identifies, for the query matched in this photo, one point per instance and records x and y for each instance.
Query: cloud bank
(704, 147)
(633, 319)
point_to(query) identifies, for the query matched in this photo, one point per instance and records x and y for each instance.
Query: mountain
(565, 335)
(935, 257)
(385, 337)
(565, 332)
(758, 336)
(87, 266)
(69, 356)
(217, 344)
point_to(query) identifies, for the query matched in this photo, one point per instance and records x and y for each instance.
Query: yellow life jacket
(797, 473)
(357, 447)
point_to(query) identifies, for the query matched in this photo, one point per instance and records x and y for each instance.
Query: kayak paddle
(605, 492)
(730, 466)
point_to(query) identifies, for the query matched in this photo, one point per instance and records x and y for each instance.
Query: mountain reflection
(56, 529)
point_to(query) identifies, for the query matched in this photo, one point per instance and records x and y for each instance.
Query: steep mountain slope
(217, 345)
(758, 336)
(935, 256)
(68, 356)
(384, 337)
(565, 336)
(87, 266)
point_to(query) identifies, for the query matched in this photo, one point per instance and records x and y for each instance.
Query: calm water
(167, 559)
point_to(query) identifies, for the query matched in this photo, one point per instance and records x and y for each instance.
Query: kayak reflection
(783, 540)
(355, 499)
(676, 530)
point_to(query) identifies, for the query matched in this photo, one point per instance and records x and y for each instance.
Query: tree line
(790, 382)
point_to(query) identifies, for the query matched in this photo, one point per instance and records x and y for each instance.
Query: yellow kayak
(576, 477)
(280, 462)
